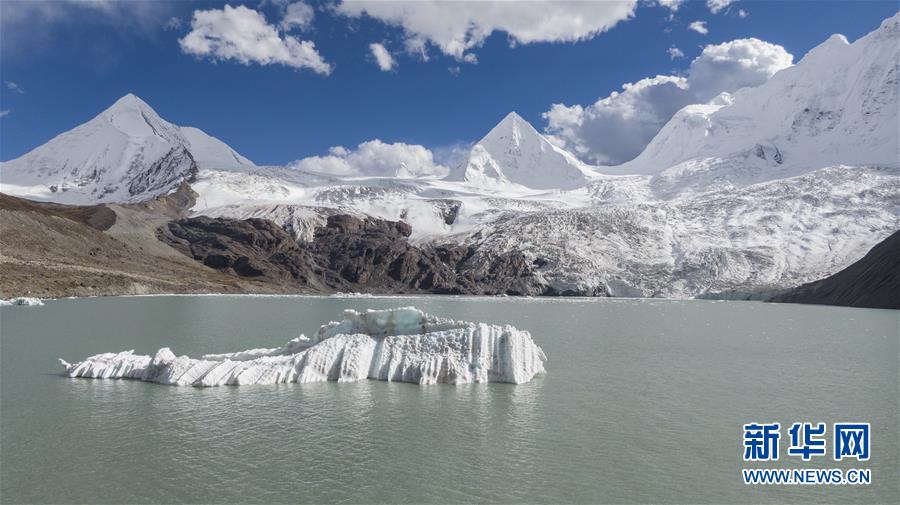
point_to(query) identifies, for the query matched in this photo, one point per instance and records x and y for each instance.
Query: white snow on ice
(23, 301)
(403, 345)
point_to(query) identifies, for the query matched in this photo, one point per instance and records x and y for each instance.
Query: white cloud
(374, 159)
(742, 13)
(174, 23)
(458, 27)
(699, 27)
(453, 155)
(383, 57)
(297, 15)
(4, 113)
(243, 35)
(716, 6)
(12, 86)
(733, 65)
(417, 46)
(672, 5)
(62, 10)
(618, 127)
(675, 53)
(29, 23)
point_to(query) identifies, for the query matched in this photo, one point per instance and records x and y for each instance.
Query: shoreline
(492, 298)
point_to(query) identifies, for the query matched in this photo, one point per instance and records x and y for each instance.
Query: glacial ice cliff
(404, 345)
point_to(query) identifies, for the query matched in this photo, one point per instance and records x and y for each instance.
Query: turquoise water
(643, 402)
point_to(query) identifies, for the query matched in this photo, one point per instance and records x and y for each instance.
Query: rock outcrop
(872, 282)
(349, 254)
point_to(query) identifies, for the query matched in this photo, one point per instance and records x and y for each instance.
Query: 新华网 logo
(849, 441)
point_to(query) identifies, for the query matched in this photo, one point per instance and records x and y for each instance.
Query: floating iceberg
(404, 345)
(22, 300)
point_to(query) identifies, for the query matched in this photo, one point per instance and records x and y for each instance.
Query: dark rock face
(349, 254)
(168, 172)
(873, 281)
(449, 210)
(249, 248)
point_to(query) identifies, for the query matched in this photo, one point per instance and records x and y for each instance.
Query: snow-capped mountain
(126, 153)
(768, 188)
(514, 153)
(838, 105)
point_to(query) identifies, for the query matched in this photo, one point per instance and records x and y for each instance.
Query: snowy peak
(837, 105)
(133, 117)
(513, 153)
(512, 129)
(889, 29)
(128, 103)
(126, 153)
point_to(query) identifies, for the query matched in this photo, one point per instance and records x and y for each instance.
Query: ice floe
(22, 300)
(404, 345)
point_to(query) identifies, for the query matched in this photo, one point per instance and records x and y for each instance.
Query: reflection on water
(643, 402)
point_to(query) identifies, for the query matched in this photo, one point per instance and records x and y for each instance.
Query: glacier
(401, 345)
(25, 301)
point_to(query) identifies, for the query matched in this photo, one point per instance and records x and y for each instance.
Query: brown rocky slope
(52, 250)
(348, 254)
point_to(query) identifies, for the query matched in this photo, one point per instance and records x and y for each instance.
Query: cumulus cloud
(715, 6)
(672, 5)
(737, 64)
(616, 128)
(374, 159)
(12, 86)
(243, 35)
(452, 155)
(417, 46)
(699, 27)
(742, 13)
(383, 57)
(297, 15)
(675, 53)
(455, 28)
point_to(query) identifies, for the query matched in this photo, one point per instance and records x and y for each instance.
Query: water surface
(643, 402)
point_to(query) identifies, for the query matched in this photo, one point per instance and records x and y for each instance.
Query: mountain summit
(514, 153)
(126, 153)
(838, 105)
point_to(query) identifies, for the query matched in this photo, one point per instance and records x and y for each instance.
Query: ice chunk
(22, 300)
(404, 345)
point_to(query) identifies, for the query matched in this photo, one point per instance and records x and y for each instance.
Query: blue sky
(68, 62)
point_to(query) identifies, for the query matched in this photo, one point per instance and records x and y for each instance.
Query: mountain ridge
(127, 153)
(837, 105)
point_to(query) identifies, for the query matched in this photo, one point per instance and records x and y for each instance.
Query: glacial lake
(644, 401)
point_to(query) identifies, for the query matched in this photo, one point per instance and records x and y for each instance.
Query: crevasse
(404, 345)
